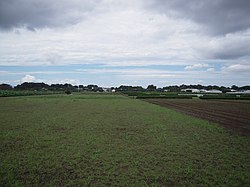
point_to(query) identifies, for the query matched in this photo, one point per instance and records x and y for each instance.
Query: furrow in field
(239, 123)
(199, 111)
(213, 111)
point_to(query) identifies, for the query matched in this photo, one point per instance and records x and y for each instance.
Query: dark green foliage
(13, 93)
(158, 95)
(227, 96)
(164, 96)
(63, 87)
(121, 89)
(151, 88)
(68, 92)
(32, 86)
(124, 89)
(172, 88)
(5, 87)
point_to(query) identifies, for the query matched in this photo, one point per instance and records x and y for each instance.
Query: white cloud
(63, 81)
(196, 66)
(201, 82)
(127, 36)
(28, 78)
(124, 71)
(210, 69)
(117, 35)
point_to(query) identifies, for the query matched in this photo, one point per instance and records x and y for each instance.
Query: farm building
(240, 92)
(213, 91)
(246, 92)
(190, 90)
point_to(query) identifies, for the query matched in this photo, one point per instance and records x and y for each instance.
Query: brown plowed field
(234, 115)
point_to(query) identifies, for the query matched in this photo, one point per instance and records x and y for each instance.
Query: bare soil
(233, 115)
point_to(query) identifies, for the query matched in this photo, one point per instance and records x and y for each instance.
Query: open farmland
(111, 140)
(232, 114)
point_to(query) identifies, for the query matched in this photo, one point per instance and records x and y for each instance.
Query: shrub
(68, 92)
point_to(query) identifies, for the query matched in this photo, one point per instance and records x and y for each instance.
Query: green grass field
(111, 140)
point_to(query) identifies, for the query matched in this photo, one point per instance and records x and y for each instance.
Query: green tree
(151, 87)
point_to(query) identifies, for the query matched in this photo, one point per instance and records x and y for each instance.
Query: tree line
(122, 88)
(177, 88)
(53, 87)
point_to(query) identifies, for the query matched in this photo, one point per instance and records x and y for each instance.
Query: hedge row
(231, 97)
(12, 93)
(164, 97)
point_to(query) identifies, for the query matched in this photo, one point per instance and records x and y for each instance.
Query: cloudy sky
(129, 42)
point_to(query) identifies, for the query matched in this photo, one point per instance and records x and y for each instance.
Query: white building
(240, 92)
(213, 91)
(191, 90)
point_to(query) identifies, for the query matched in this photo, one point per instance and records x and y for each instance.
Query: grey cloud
(236, 68)
(229, 47)
(34, 14)
(218, 16)
(233, 52)
(52, 58)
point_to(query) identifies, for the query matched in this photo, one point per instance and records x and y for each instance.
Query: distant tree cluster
(32, 86)
(176, 88)
(122, 88)
(201, 87)
(5, 87)
(52, 87)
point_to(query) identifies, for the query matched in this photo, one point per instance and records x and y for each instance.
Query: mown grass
(111, 140)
